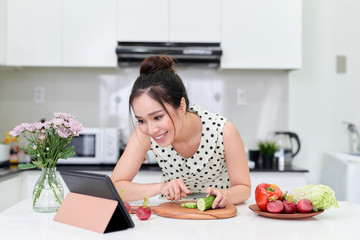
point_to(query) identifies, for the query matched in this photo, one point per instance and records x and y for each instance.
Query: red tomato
(264, 191)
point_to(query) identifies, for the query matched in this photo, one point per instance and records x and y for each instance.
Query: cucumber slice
(205, 203)
(189, 205)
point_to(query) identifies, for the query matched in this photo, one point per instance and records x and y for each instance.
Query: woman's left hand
(221, 198)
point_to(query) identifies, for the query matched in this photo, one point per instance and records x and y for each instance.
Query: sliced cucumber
(189, 205)
(205, 203)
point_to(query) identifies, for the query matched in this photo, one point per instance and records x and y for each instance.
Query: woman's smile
(160, 138)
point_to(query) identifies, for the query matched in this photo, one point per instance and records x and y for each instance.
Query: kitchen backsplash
(98, 97)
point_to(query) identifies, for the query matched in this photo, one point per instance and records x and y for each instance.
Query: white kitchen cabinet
(74, 33)
(340, 172)
(2, 32)
(143, 20)
(195, 21)
(10, 189)
(89, 33)
(169, 20)
(286, 181)
(261, 34)
(33, 32)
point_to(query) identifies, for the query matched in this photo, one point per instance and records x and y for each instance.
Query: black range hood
(186, 54)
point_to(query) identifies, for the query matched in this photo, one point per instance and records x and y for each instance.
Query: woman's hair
(159, 80)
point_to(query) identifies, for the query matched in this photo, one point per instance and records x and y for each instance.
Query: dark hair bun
(156, 63)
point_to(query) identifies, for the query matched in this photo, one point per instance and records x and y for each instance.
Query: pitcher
(289, 147)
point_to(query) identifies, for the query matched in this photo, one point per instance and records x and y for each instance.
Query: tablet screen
(97, 185)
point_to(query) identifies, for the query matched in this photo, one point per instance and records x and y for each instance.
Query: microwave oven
(95, 146)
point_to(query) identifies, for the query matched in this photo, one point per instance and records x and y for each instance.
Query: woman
(197, 150)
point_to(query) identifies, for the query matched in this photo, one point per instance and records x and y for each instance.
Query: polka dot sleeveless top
(206, 168)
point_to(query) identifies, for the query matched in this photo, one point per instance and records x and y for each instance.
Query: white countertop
(353, 158)
(21, 222)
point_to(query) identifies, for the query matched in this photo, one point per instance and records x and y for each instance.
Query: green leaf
(30, 150)
(26, 166)
(321, 196)
(267, 147)
(67, 153)
(67, 141)
(37, 163)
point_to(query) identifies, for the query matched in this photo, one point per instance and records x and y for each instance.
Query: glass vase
(48, 192)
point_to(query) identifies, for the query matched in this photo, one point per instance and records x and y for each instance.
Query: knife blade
(196, 195)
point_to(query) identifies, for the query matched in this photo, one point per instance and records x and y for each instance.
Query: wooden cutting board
(174, 210)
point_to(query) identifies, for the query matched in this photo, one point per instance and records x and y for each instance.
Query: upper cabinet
(148, 23)
(61, 33)
(195, 21)
(33, 33)
(89, 33)
(169, 20)
(254, 34)
(261, 34)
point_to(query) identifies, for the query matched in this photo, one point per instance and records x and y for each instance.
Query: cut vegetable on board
(173, 209)
(202, 204)
(205, 203)
(189, 205)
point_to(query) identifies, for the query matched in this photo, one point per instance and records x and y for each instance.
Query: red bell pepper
(264, 191)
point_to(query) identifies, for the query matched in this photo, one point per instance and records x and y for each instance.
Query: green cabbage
(321, 197)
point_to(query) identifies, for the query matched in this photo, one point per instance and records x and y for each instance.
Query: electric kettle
(289, 147)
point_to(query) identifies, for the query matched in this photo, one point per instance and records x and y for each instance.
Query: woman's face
(154, 121)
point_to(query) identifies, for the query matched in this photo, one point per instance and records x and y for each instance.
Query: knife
(196, 195)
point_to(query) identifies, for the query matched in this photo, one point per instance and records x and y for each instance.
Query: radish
(304, 206)
(144, 212)
(128, 207)
(275, 206)
(289, 206)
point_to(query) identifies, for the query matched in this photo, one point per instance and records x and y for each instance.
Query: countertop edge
(7, 171)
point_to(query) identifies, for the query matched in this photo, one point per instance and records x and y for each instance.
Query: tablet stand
(92, 213)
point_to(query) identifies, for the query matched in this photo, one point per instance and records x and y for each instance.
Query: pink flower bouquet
(47, 142)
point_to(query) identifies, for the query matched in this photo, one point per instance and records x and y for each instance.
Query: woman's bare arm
(129, 165)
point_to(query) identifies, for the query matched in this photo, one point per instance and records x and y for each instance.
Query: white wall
(319, 98)
(99, 97)
(2, 32)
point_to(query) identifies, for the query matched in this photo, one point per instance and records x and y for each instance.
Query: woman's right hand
(175, 189)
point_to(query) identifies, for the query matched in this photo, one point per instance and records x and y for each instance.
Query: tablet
(97, 185)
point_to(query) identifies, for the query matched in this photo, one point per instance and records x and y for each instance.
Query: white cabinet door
(261, 34)
(10, 189)
(143, 20)
(195, 21)
(2, 32)
(169, 20)
(33, 32)
(89, 33)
